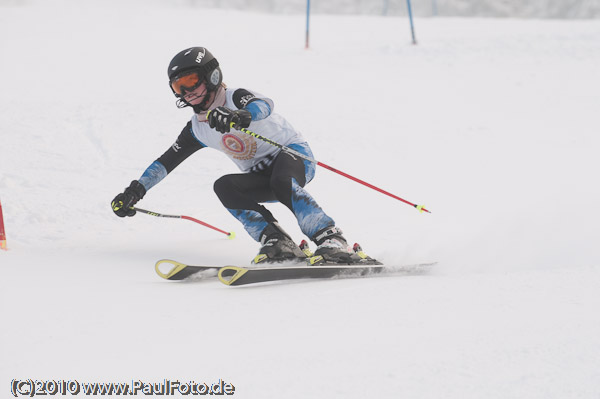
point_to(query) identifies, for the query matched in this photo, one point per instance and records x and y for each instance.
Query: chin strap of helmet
(218, 101)
(204, 105)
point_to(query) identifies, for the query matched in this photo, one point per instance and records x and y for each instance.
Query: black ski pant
(283, 181)
(249, 190)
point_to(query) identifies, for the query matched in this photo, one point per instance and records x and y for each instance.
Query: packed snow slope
(491, 124)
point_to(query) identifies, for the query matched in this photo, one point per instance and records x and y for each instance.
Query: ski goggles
(188, 82)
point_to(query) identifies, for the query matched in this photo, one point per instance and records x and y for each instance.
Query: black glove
(123, 202)
(221, 118)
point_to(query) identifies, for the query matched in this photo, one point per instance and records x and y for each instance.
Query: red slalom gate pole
(420, 208)
(230, 235)
(2, 231)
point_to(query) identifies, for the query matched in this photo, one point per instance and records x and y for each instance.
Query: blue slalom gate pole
(307, 22)
(412, 27)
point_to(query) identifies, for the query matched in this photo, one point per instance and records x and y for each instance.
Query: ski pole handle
(230, 235)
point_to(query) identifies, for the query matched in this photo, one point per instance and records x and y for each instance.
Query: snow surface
(491, 124)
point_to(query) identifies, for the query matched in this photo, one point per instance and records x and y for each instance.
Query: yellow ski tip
(230, 274)
(231, 235)
(175, 267)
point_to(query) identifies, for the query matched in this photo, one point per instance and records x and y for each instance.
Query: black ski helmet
(196, 58)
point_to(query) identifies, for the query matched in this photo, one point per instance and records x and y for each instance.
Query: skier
(269, 174)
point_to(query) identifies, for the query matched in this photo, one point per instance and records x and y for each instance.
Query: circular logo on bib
(239, 145)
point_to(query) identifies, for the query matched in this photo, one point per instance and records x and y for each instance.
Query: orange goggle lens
(188, 82)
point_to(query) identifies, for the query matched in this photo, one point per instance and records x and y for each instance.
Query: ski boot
(277, 246)
(332, 247)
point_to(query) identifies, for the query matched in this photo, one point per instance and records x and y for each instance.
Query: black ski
(358, 264)
(176, 271)
(233, 275)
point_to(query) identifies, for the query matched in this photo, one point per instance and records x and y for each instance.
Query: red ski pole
(421, 208)
(364, 183)
(2, 232)
(230, 235)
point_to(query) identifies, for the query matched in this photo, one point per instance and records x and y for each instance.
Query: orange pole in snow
(2, 232)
